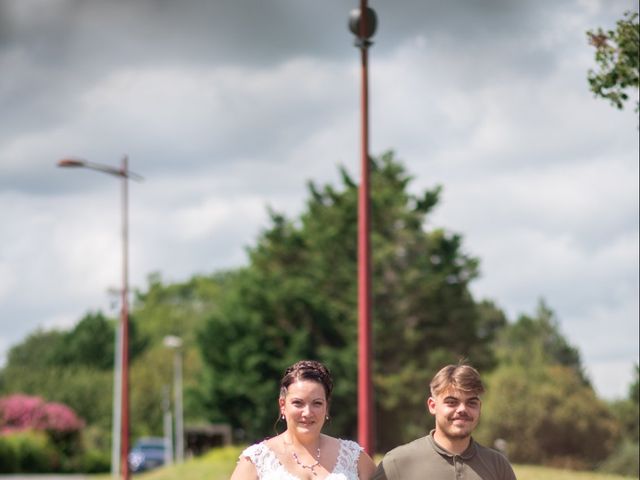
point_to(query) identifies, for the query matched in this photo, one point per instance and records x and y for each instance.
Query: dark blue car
(146, 454)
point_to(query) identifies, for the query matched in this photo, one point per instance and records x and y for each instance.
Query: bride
(302, 452)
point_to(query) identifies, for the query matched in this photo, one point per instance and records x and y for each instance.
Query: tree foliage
(617, 56)
(625, 461)
(547, 415)
(540, 402)
(298, 299)
(81, 358)
(90, 343)
(38, 350)
(537, 340)
(628, 409)
(178, 309)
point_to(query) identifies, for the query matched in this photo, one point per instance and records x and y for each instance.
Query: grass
(217, 464)
(531, 472)
(220, 462)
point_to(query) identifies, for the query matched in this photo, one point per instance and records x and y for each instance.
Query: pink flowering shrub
(61, 418)
(38, 436)
(24, 412)
(20, 412)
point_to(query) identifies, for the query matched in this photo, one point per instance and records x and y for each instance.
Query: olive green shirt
(425, 459)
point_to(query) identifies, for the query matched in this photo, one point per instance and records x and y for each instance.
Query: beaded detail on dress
(269, 467)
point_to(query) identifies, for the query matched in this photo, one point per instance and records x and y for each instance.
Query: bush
(22, 412)
(95, 461)
(624, 461)
(33, 452)
(39, 436)
(9, 461)
(547, 416)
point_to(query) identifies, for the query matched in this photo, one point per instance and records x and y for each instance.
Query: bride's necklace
(308, 467)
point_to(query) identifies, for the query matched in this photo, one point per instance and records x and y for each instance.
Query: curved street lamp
(123, 345)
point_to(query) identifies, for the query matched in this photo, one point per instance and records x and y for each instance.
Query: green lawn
(530, 472)
(219, 463)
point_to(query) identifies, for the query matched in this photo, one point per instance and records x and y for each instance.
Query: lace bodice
(269, 467)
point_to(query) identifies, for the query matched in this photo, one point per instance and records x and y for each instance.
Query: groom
(449, 451)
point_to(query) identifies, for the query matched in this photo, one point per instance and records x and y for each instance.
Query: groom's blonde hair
(459, 377)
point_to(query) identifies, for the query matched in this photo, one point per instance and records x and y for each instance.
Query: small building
(200, 438)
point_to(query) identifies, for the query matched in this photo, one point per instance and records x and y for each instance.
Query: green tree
(539, 400)
(297, 298)
(179, 309)
(152, 378)
(624, 460)
(617, 57)
(628, 410)
(90, 343)
(634, 389)
(38, 350)
(176, 308)
(537, 340)
(75, 366)
(547, 415)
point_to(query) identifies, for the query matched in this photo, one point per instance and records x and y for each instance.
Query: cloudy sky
(229, 106)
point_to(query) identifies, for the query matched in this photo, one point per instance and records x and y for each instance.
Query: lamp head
(355, 23)
(72, 163)
(172, 341)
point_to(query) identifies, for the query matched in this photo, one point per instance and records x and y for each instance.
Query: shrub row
(28, 452)
(34, 452)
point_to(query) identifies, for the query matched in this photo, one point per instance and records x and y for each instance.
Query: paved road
(43, 477)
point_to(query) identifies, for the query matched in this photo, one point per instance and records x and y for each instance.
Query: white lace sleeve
(256, 454)
(250, 452)
(263, 459)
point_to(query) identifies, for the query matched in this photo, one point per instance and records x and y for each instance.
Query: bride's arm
(245, 470)
(366, 466)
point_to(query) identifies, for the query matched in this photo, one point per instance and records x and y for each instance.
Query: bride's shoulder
(350, 445)
(274, 443)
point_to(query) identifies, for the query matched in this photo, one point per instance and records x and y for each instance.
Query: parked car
(147, 453)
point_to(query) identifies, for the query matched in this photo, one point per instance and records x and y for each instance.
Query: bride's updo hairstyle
(307, 370)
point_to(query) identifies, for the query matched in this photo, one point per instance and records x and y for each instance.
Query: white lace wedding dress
(269, 467)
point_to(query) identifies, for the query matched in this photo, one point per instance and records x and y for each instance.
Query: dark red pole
(365, 390)
(124, 322)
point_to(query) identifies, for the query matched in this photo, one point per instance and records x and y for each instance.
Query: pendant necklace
(308, 467)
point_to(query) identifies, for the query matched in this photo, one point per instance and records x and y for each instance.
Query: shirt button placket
(458, 466)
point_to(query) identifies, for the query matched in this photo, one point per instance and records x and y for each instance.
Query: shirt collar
(466, 455)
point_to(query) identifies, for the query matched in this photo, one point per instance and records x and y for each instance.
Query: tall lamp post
(175, 343)
(166, 424)
(125, 174)
(362, 23)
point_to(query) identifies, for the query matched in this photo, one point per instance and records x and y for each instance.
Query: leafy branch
(617, 58)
